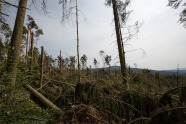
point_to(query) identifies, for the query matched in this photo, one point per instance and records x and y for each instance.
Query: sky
(161, 39)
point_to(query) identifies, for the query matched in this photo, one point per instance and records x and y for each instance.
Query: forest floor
(101, 97)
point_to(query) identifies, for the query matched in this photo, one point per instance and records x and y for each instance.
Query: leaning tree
(120, 17)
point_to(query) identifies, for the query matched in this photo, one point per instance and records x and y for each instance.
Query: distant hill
(181, 72)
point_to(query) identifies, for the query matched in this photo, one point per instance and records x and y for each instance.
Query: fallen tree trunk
(44, 100)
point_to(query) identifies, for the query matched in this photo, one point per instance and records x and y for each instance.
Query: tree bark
(15, 45)
(119, 42)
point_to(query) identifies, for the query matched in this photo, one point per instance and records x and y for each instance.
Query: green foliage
(140, 101)
(175, 4)
(31, 22)
(121, 6)
(6, 31)
(120, 102)
(83, 61)
(1, 50)
(108, 60)
(38, 32)
(95, 62)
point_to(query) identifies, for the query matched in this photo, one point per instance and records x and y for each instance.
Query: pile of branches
(83, 114)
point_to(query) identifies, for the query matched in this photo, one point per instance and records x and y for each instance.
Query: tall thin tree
(77, 25)
(42, 65)
(32, 51)
(67, 12)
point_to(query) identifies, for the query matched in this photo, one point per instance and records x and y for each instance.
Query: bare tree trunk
(14, 52)
(42, 64)
(120, 42)
(78, 42)
(44, 100)
(61, 64)
(27, 45)
(32, 51)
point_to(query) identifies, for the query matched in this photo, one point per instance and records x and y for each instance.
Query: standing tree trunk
(42, 64)
(77, 42)
(15, 45)
(27, 44)
(120, 42)
(32, 50)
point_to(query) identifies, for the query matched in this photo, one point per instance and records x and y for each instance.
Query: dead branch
(65, 83)
(45, 84)
(13, 5)
(4, 14)
(138, 119)
(3, 22)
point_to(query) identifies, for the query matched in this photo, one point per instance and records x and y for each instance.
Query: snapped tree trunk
(42, 64)
(119, 42)
(15, 45)
(32, 51)
(35, 56)
(27, 45)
